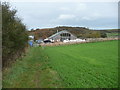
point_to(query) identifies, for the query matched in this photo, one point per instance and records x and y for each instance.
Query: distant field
(112, 34)
(88, 65)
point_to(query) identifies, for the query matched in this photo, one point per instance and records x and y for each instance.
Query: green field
(89, 65)
(112, 34)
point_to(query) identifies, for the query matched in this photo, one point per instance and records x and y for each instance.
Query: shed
(62, 35)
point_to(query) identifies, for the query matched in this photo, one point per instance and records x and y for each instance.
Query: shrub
(14, 35)
(103, 35)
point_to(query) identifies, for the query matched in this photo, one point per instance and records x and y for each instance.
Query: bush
(14, 35)
(92, 34)
(103, 35)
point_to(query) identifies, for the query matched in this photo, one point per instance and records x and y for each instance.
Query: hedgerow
(14, 35)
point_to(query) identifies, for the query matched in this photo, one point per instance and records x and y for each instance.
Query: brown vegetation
(80, 32)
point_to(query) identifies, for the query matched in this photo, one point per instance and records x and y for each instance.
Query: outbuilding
(62, 35)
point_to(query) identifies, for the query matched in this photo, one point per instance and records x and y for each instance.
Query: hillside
(110, 30)
(78, 31)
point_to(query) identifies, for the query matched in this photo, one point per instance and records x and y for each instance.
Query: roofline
(60, 32)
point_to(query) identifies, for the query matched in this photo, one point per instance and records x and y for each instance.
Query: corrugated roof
(64, 31)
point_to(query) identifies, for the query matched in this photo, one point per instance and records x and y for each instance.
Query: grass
(112, 34)
(32, 71)
(88, 65)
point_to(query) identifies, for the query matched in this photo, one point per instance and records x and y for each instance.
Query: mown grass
(88, 65)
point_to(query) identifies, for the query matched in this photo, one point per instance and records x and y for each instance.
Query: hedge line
(14, 35)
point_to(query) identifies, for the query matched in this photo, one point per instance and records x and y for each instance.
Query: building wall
(58, 37)
(73, 37)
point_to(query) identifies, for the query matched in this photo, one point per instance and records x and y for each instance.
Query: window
(65, 35)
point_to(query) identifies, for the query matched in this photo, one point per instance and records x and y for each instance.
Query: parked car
(47, 41)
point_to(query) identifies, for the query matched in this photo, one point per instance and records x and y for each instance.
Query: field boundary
(89, 40)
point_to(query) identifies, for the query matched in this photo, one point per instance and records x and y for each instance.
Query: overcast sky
(95, 15)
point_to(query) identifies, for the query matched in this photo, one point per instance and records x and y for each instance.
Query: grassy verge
(32, 71)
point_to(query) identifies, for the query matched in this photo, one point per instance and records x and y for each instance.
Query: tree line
(14, 35)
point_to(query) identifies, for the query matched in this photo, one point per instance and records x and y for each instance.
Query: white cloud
(86, 18)
(92, 16)
(97, 15)
(81, 7)
(65, 8)
(62, 0)
(75, 8)
(44, 14)
(66, 16)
